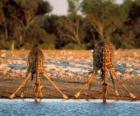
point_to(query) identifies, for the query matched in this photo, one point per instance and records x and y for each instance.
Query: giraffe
(103, 56)
(36, 70)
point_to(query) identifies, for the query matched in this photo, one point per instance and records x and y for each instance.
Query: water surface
(68, 108)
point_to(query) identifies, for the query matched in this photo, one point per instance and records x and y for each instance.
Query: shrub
(74, 46)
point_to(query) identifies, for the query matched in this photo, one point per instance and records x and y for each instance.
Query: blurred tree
(105, 16)
(3, 22)
(69, 27)
(70, 30)
(19, 16)
(128, 36)
(34, 10)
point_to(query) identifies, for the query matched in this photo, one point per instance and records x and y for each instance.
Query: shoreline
(72, 100)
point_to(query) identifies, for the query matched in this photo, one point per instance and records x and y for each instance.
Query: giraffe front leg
(54, 85)
(20, 87)
(37, 90)
(77, 95)
(23, 90)
(114, 84)
(91, 80)
(105, 85)
(122, 84)
(40, 92)
(88, 82)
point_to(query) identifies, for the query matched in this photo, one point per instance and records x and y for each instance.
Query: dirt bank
(79, 61)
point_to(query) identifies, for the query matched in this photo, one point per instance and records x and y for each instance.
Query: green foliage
(73, 6)
(34, 34)
(74, 46)
(104, 15)
(43, 7)
(26, 22)
(4, 44)
(28, 4)
(49, 42)
(127, 46)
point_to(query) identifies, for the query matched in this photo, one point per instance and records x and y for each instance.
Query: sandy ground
(69, 69)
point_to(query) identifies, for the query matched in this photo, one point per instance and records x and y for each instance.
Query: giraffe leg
(104, 71)
(77, 95)
(23, 90)
(21, 86)
(40, 90)
(89, 82)
(114, 84)
(37, 89)
(54, 85)
(122, 84)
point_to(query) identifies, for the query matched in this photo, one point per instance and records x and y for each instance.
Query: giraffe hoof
(12, 96)
(132, 95)
(22, 95)
(65, 97)
(117, 93)
(37, 100)
(77, 95)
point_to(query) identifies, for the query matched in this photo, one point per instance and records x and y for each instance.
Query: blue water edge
(56, 107)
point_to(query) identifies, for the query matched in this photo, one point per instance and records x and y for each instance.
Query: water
(68, 108)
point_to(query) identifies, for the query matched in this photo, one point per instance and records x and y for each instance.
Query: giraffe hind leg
(131, 95)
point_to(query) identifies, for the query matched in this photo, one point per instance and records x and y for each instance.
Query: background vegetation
(24, 22)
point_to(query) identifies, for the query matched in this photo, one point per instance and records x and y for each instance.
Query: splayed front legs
(88, 83)
(21, 86)
(54, 85)
(37, 87)
(113, 73)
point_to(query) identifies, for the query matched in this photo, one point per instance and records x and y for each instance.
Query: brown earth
(8, 85)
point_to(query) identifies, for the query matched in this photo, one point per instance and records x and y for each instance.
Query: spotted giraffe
(35, 62)
(102, 60)
(36, 70)
(36, 67)
(103, 56)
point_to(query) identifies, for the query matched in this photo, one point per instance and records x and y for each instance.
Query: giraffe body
(103, 55)
(103, 61)
(36, 61)
(36, 67)
(36, 70)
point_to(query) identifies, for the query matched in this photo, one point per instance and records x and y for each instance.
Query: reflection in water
(68, 108)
